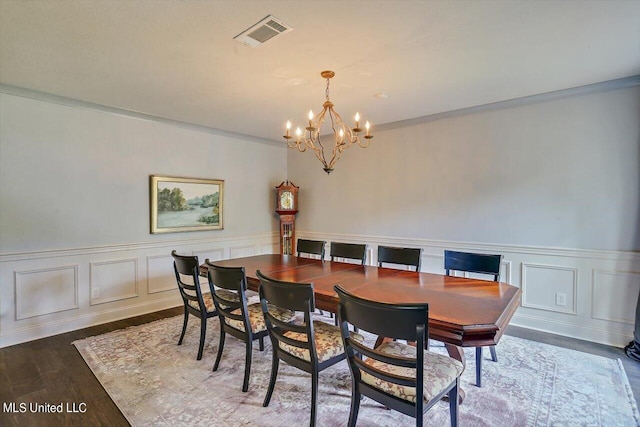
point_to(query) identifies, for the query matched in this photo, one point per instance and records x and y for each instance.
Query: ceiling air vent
(263, 31)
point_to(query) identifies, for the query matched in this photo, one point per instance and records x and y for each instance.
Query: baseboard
(47, 329)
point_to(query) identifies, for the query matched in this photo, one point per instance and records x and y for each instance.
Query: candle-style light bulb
(298, 133)
(357, 120)
(341, 133)
(288, 127)
(367, 126)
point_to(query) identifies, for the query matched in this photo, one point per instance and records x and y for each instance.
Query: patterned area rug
(155, 382)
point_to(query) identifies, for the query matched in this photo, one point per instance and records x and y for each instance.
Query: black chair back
(349, 251)
(399, 321)
(289, 295)
(480, 264)
(472, 263)
(409, 320)
(191, 293)
(232, 279)
(186, 265)
(311, 247)
(295, 342)
(228, 287)
(402, 256)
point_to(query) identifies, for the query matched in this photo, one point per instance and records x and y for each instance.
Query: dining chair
(311, 247)
(400, 256)
(238, 318)
(352, 251)
(195, 302)
(480, 264)
(307, 344)
(400, 376)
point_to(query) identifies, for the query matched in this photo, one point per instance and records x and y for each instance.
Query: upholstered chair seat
(439, 372)
(208, 299)
(256, 318)
(328, 342)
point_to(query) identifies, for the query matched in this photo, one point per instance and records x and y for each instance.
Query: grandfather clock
(287, 208)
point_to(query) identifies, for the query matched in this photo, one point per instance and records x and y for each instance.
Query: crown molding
(605, 86)
(76, 103)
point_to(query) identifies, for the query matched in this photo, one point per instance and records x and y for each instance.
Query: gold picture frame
(185, 204)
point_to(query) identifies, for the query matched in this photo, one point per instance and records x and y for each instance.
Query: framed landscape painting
(185, 204)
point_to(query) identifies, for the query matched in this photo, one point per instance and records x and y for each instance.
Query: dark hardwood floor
(52, 371)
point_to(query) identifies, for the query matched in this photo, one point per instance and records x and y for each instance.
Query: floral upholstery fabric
(439, 372)
(208, 299)
(256, 317)
(328, 342)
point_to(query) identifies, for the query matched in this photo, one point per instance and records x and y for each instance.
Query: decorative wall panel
(550, 287)
(113, 280)
(45, 291)
(615, 294)
(160, 274)
(242, 251)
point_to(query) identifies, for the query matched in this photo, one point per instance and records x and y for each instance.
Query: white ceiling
(178, 60)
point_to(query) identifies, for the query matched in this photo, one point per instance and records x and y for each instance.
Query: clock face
(286, 200)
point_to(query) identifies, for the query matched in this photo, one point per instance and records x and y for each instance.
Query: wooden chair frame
(298, 297)
(481, 264)
(189, 266)
(233, 279)
(410, 322)
(311, 247)
(352, 251)
(401, 256)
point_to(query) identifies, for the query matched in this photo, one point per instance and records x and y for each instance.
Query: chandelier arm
(364, 144)
(335, 159)
(319, 122)
(348, 133)
(320, 153)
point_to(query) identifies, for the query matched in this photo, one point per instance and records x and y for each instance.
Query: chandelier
(343, 135)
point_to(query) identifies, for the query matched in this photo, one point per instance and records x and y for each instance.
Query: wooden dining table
(463, 312)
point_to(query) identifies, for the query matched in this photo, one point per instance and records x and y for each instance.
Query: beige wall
(554, 186)
(75, 247)
(551, 185)
(76, 177)
(562, 173)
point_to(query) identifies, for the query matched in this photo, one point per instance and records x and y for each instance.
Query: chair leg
(355, 404)
(314, 397)
(479, 366)
(184, 325)
(272, 382)
(247, 365)
(220, 348)
(494, 355)
(453, 403)
(203, 333)
(261, 343)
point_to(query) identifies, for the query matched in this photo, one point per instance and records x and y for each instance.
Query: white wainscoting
(50, 292)
(585, 294)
